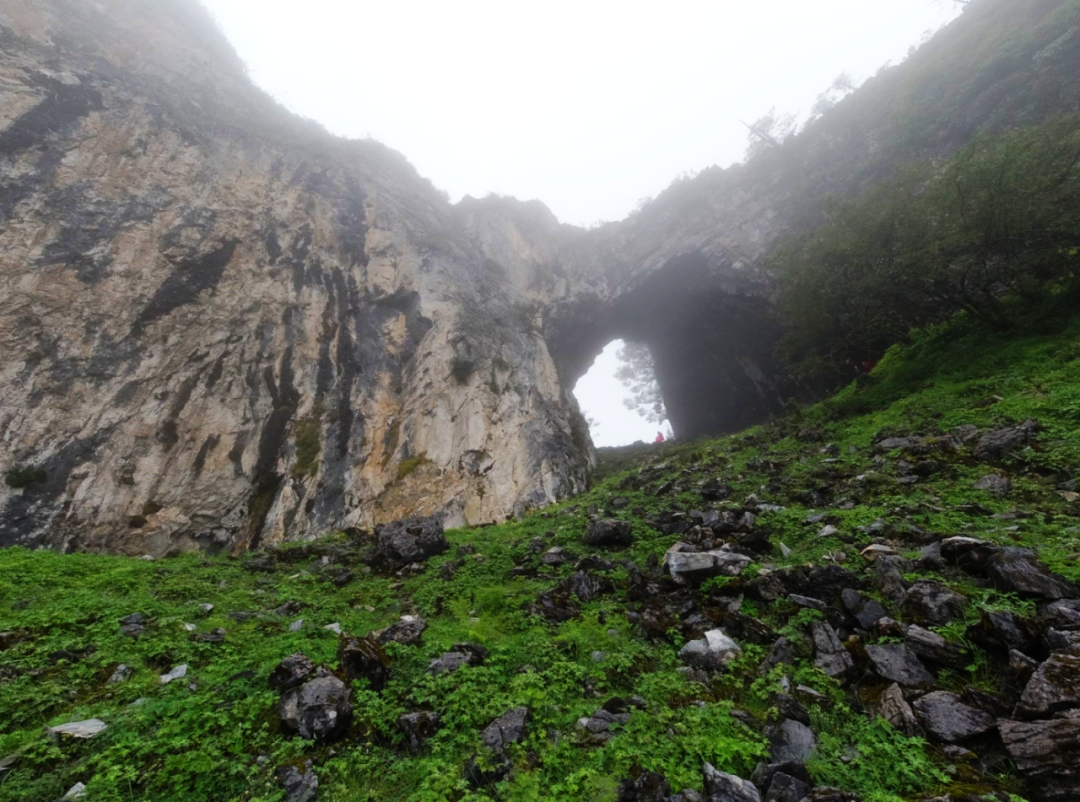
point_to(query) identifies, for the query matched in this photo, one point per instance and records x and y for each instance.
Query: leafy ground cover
(214, 734)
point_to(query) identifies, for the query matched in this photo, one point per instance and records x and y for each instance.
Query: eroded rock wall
(221, 326)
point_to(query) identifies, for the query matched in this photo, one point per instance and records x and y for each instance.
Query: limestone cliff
(221, 326)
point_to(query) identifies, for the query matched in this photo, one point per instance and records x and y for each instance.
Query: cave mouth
(712, 335)
(603, 399)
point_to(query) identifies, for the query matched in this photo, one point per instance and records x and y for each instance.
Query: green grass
(214, 735)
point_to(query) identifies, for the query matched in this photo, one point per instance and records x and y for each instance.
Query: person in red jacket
(659, 437)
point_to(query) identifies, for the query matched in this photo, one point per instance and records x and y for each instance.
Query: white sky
(588, 105)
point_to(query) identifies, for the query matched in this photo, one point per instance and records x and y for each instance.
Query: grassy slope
(218, 739)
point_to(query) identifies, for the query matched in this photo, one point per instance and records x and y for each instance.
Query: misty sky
(588, 105)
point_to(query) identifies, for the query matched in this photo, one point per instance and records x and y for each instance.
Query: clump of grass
(25, 476)
(308, 447)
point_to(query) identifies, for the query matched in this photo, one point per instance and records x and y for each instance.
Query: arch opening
(621, 398)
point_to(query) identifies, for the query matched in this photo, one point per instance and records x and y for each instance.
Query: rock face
(223, 327)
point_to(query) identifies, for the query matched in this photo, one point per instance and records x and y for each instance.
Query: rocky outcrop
(223, 327)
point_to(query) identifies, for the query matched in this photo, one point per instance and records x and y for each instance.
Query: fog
(588, 106)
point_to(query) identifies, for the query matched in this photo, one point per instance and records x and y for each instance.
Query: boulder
(319, 709)
(1020, 571)
(945, 717)
(412, 540)
(418, 727)
(893, 707)
(597, 728)
(829, 654)
(692, 567)
(408, 631)
(722, 787)
(1004, 630)
(363, 658)
(509, 728)
(932, 648)
(299, 785)
(933, 603)
(865, 610)
(897, 663)
(782, 652)
(609, 534)
(646, 787)
(1047, 753)
(785, 788)
(294, 670)
(1001, 442)
(1053, 688)
(791, 742)
(462, 654)
(995, 485)
(1062, 614)
(710, 653)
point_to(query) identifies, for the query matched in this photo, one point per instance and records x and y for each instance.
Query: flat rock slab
(80, 729)
(1054, 688)
(947, 718)
(897, 663)
(1048, 754)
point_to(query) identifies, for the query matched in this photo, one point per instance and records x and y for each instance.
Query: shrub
(992, 232)
(25, 476)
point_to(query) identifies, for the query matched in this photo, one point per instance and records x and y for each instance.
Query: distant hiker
(659, 437)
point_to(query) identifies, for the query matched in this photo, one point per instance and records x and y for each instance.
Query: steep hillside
(907, 548)
(223, 328)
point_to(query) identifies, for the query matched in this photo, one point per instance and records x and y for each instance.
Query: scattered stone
(875, 550)
(363, 658)
(177, 673)
(335, 628)
(830, 655)
(557, 556)
(299, 786)
(418, 727)
(80, 729)
(463, 654)
(933, 603)
(408, 631)
(133, 625)
(710, 653)
(596, 729)
(897, 663)
(509, 728)
(296, 625)
(609, 534)
(122, 673)
(77, 791)
(319, 709)
(782, 651)
(1004, 630)
(1048, 754)
(807, 602)
(1054, 688)
(721, 787)
(947, 718)
(213, 636)
(995, 485)
(412, 540)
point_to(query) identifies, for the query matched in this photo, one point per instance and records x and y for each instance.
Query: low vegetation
(214, 734)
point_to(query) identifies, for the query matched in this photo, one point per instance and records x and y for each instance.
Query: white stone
(80, 729)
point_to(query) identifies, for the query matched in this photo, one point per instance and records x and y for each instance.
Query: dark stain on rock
(216, 371)
(62, 107)
(209, 444)
(184, 284)
(169, 433)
